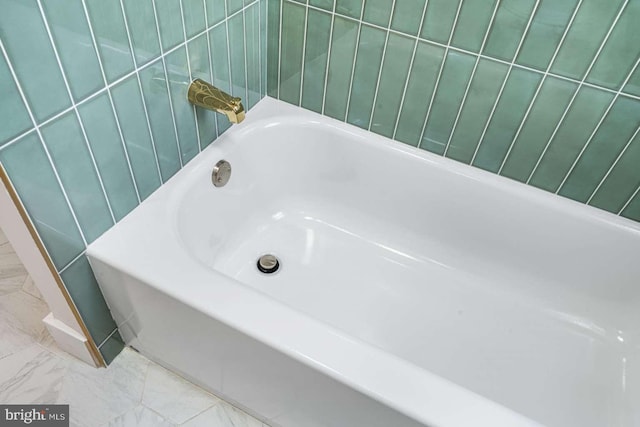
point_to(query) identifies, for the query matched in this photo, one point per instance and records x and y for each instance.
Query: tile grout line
(186, 49)
(246, 70)
(440, 70)
(355, 60)
(471, 78)
(430, 42)
(280, 50)
(75, 109)
(504, 82)
(137, 74)
(329, 49)
(113, 108)
(410, 71)
(108, 337)
(304, 50)
(633, 196)
(575, 94)
(540, 85)
(597, 128)
(41, 139)
(260, 45)
(604, 178)
(226, 26)
(206, 23)
(166, 78)
(70, 263)
(384, 55)
(468, 52)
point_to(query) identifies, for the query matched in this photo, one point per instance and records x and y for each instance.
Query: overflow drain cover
(268, 264)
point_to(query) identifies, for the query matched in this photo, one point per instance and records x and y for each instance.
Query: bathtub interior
(525, 299)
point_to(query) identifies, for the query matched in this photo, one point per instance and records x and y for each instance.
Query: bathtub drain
(268, 264)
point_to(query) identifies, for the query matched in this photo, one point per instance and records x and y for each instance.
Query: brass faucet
(204, 95)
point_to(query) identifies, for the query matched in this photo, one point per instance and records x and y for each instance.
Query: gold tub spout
(204, 95)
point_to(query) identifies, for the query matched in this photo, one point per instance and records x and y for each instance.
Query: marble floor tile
(173, 397)
(12, 272)
(24, 312)
(100, 395)
(32, 375)
(12, 340)
(223, 415)
(29, 287)
(140, 416)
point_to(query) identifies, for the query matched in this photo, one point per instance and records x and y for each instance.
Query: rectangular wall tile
(201, 69)
(194, 17)
(450, 91)
(15, 117)
(343, 46)
(73, 41)
(221, 67)
(112, 347)
(33, 177)
(547, 109)
(621, 183)
(420, 89)
(133, 122)
(83, 288)
(323, 4)
(407, 16)
(396, 63)
(510, 111)
(633, 85)
(156, 98)
(365, 75)
(620, 52)
(143, 30)
(109, 28)
(215, 11)
(439, 19)
(179, 79)
(473, 23)
(632, 211)
(233, 6)
(316, 52)
(614, 133)
(31, 54)
(273, 46)
(236, 37)
(293, 24)
(377, 12)
(72, 159)
(252, 34)
(584, 114)
(585, 36)
(110, 156)
(509, 27)
(475, 112)
(168, 14)
(352, 8)
(546, 32)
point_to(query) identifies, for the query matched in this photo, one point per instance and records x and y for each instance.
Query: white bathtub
(413, 290)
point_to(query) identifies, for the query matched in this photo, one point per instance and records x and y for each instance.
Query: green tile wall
(95, 117)
(546, 92)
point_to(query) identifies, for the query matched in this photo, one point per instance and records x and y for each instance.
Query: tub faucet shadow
(205, 95)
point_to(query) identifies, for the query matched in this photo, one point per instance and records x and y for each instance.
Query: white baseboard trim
(69, 340)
